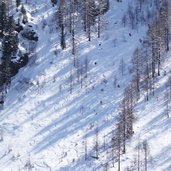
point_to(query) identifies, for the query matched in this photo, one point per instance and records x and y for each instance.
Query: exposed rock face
(30, 34)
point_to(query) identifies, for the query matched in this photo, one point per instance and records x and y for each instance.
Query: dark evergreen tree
(3, 17)
(61, 23)
(24, 14)
(18, 3)
(54, 2)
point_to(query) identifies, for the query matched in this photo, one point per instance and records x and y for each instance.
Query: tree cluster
(146, 66)
(70, 13)
(140, 12)
(9, 45)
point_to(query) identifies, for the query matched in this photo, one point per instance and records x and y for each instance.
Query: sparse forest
(85, 85)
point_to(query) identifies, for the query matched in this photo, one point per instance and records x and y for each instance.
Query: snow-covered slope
(153, 126)
(48, 122)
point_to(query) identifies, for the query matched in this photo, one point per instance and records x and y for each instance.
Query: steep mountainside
(62, 108)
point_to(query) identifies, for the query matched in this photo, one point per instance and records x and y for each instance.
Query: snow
(46, 125)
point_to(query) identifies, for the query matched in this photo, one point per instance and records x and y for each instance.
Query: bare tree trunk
(85, 147)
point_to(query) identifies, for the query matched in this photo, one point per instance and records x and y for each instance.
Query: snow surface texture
(44, 126)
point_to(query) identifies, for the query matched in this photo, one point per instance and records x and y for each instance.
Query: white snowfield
(46, 124)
